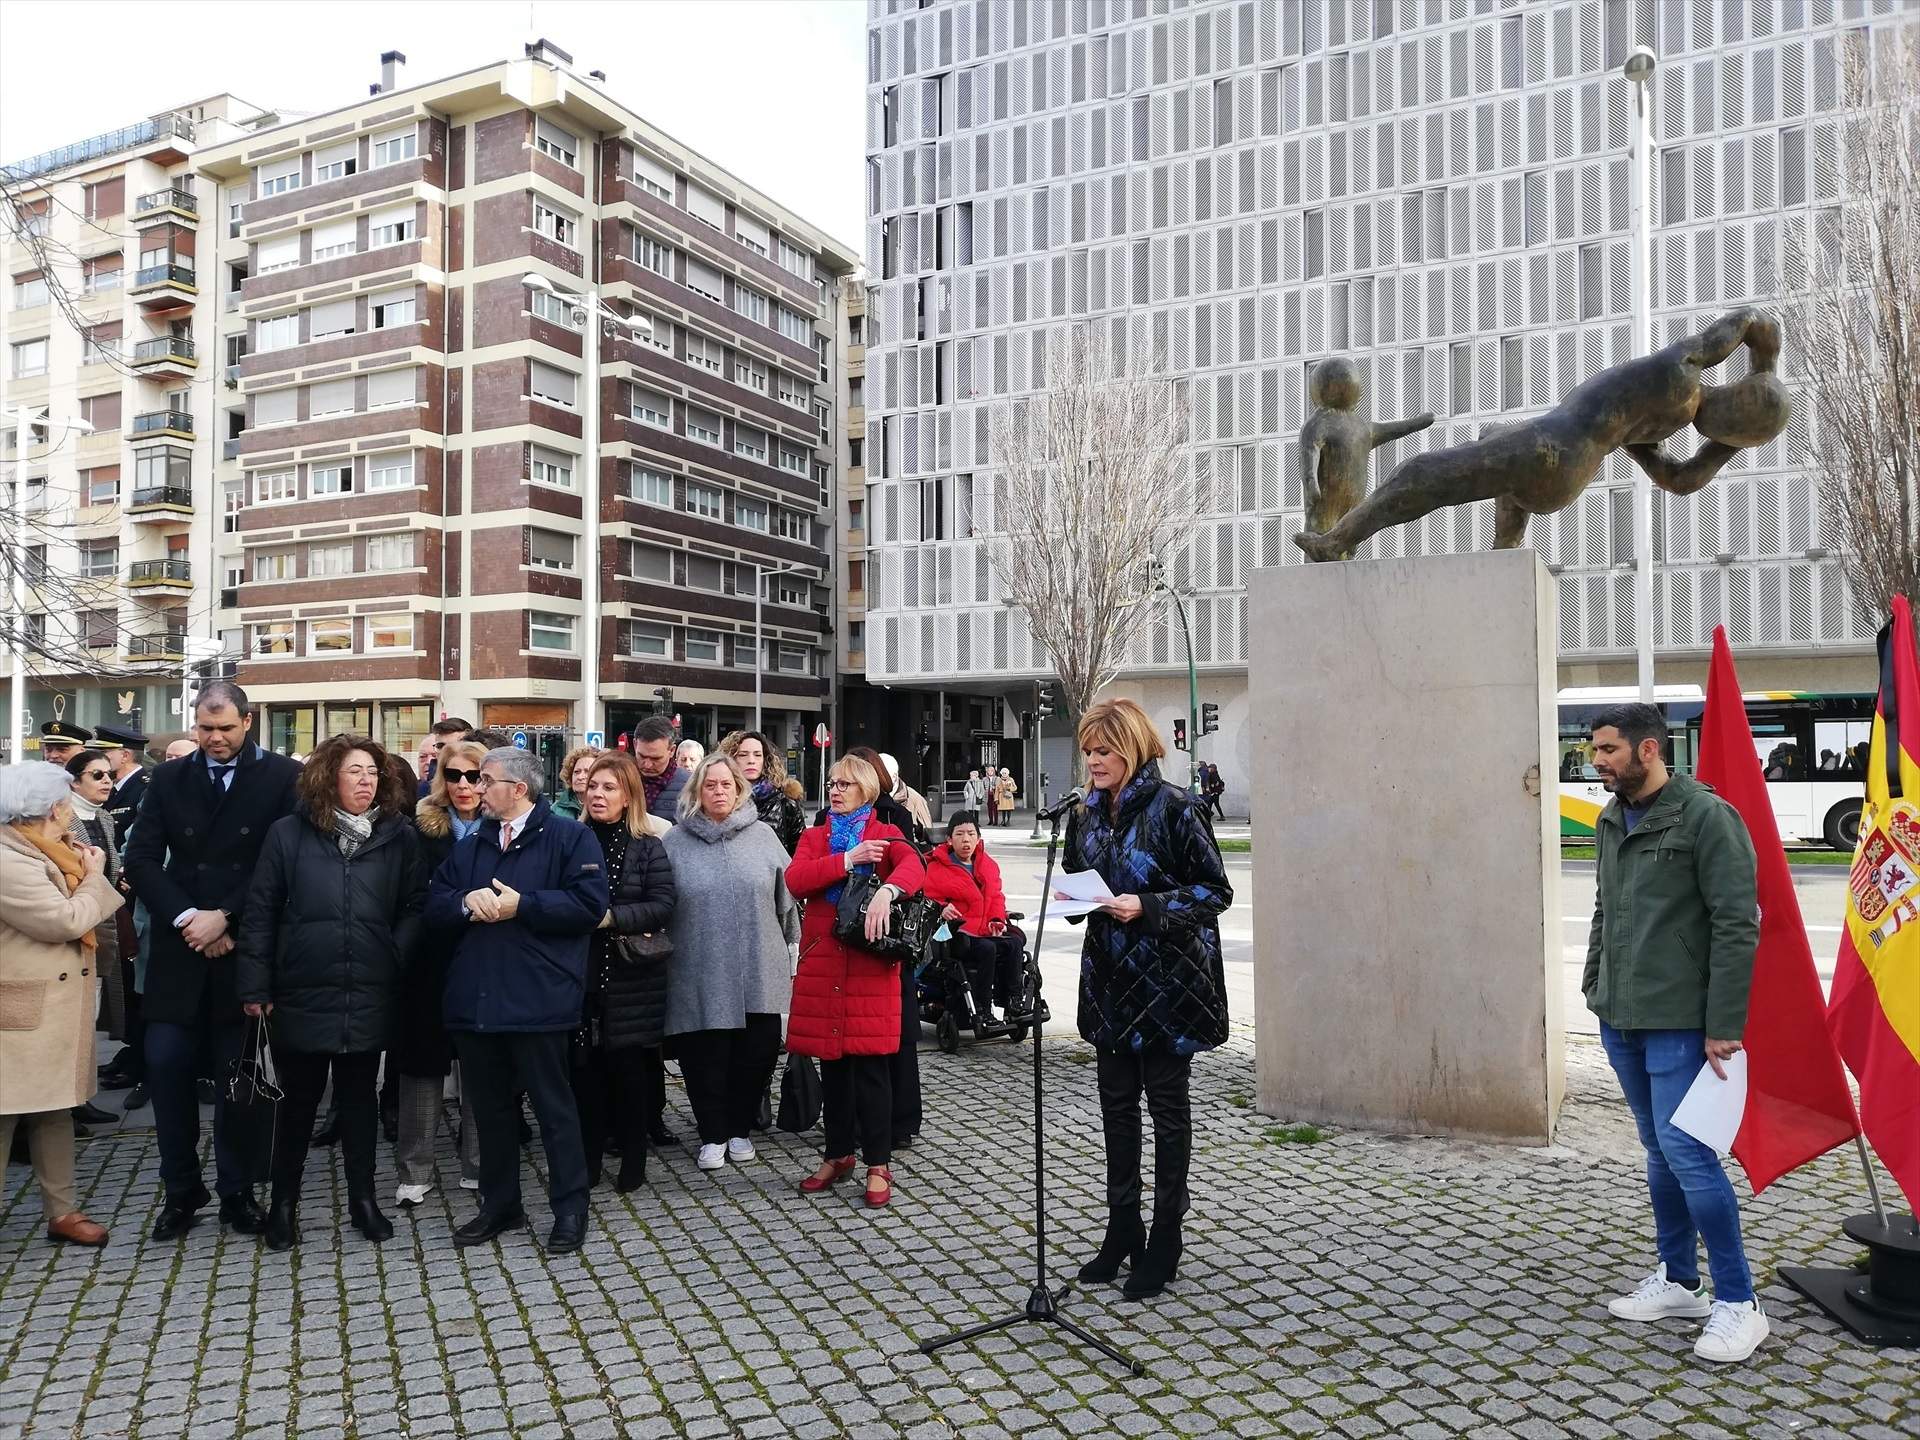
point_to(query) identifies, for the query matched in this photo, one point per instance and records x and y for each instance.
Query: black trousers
(857, 1101)
(654, 1057)
(616, 1093)
(904, 1067)
(177, 1056)
(993, 967)
(1123, 1077)
(303, 1080)
(495, 1069)
(727, 1071)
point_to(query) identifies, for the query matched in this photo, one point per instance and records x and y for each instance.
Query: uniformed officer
(61, 740)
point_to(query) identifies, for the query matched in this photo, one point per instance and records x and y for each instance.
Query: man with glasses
(525, 892)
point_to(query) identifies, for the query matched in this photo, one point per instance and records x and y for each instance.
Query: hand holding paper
(1076, 892)
(1713, 1108)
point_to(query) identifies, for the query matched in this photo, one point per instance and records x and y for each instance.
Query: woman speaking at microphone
(1152, 988)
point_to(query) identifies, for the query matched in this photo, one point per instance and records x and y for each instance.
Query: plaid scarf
(654, 784)
(351, 831)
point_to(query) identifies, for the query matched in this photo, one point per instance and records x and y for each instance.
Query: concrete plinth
(1406, 849)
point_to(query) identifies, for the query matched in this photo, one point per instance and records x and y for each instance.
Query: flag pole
(1873, 1185)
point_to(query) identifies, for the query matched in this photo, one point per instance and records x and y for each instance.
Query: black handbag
(910, 927)
(253, 1105)
(639, 949)
(800, 1095)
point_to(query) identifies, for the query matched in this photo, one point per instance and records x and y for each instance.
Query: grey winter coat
(732, 922)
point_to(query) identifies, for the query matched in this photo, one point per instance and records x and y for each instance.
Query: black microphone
(1063, 805)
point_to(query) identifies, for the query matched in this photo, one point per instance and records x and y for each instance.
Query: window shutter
(275, 407)
(335, 233)
(330, 397)
(707, 206)
(335, 317)
(653, 172)
(750, 229)
(281, 250)
(390, 387)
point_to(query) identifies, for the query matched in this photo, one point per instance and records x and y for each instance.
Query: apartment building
(404, 467)
(107, 322)
(1436, 188)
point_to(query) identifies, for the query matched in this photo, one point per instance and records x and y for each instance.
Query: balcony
(162, 503)
(171, 203)
(156, 647)
(164, 285)
(165, 128)
(160, 575)
(163, 425)
(168, 355)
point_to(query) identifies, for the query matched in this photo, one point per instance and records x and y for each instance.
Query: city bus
(1812, 750)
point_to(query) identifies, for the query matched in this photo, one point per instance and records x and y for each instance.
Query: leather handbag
(910, 927)
(253, 1104)
(641, 949)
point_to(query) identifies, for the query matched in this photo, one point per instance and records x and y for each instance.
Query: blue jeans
(1691, 1193)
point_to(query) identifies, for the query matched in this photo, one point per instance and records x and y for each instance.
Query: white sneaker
(1658, 1297)
(1733, 1332)
(712, 1157)
(412, 1194)
(739, 1148)
(468, 1182)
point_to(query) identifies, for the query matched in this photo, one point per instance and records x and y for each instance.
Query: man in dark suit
(191, 860)
(122, 744)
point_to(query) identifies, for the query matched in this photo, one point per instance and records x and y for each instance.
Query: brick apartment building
(403, 527)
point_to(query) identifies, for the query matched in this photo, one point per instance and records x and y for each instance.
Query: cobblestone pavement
(1357, 1286)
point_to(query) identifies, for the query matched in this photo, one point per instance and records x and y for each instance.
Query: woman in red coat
(966, 880)
(846, 1000)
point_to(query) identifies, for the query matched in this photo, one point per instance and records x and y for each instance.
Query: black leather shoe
(111, 1079)
(178, 1216)
(81, 1132)
(569, 1233)
(1156, 1267)
(1126, 1239)
(368, 1220)
(242, 1213)
(632, 1177)
(137, 1099)
(659, 1134)
(91, 1114)
(484, 1227)
(282, 1231)
(329, 1130)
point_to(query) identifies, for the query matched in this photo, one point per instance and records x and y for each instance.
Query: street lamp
(760, 577)
(586, 307)
(1157, 580)
(1638, 70)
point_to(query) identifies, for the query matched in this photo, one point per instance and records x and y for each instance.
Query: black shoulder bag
(910, 927)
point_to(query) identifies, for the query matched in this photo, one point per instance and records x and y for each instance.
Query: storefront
(398, 725)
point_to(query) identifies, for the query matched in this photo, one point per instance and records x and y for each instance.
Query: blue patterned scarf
(846, 835)
(762, 788)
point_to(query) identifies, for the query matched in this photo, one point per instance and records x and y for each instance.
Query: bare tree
(1096, 483)
(1855, 326)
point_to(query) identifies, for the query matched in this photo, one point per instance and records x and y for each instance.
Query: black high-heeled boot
(1157, 1266)
(1126, 1237)
(368, 1220)
(282, 1230)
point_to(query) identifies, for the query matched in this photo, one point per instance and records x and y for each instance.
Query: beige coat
(47, 980)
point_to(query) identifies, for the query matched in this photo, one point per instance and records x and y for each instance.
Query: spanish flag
(1874, 1011)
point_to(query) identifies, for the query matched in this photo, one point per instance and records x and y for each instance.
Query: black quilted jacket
(627, 1002)
(1156, 984)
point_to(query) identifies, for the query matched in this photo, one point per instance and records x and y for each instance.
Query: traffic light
(1026, 724)
(1044, 707)
(1209, 717)
(1179, 734)
(663, 700)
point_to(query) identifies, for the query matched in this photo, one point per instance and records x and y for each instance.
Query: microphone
(1063, 805)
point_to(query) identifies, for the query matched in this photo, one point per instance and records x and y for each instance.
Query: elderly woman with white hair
(54, 894)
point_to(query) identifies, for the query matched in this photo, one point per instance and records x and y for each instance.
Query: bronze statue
(1542, 465)
(1336, 443)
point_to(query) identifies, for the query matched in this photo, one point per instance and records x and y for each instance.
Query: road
(1821, 891)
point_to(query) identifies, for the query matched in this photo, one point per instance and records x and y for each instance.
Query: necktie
(506, 833)
(221, 775)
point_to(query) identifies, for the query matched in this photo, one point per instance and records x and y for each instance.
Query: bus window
(1841, 748)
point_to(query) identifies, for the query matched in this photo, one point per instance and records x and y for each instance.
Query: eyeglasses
(491, 780)
(841, 785)
(360, 772)
(463, 777)
(97, 775)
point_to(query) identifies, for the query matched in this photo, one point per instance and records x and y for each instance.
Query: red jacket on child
(976, 895)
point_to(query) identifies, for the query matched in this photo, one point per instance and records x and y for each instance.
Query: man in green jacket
(1669, 960)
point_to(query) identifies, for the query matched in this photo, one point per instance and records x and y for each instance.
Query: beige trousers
(50, 1139)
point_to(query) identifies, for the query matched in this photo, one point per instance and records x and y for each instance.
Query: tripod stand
(1043, 1302)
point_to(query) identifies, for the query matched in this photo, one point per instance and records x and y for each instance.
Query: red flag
(1798, 1104)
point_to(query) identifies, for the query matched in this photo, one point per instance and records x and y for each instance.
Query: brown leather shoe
(76, 1229)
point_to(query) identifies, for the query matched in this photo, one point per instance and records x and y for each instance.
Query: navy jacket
(528, 973)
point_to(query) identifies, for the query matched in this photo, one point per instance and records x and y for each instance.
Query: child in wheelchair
(984, 962)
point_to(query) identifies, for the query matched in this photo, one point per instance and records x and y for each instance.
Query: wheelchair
(946, 995)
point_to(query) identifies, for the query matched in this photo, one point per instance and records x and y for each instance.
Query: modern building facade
(109, 321)
(1438, 189)
(405, 444)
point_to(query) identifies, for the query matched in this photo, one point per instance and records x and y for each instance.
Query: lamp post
(1639, 73)
(1157, 579)
(760, 577)
(589, 314)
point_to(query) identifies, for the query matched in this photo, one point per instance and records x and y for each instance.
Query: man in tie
(190, 859)
(525, 892)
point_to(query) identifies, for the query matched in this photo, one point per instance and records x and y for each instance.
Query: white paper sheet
(1713, 1108)
(1084, 889)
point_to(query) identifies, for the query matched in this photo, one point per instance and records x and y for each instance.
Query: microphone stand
(1043, 1302)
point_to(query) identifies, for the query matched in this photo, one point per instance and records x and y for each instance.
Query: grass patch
(1239, 1102)
(1236, 847)
(1295, 1135)
(1794, 857)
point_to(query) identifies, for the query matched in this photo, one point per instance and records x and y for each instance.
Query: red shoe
(877, 1198)
(838, 1170)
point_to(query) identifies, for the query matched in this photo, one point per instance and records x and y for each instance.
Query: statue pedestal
(1406, 845)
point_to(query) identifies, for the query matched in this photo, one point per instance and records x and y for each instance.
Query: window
(551, 467)
(232, 497)
(273, 565)
(391, 309)
(330, 480)
(797, 393)
(391, 388)
(99, 559)
(793, 659)
(29, 358)
(750, 373)
(704, 500)
(99, 344)
(235, 573)
(102, 412)
(395, 146)
(29, 291)
(275, 638)
(102, 273)
(390, 552)
(390, 632)
(390, 227)
(551, 140)
(273, 485)
(703, 279)
(703, 647)
(750, 514)
(704, 573)
(706, 207)
(794, 325)
(743, 655)
(650, 407)
(703, 425)
(336, 162)
(336, 237)
(282, 332)
(793, 258)
(550, 549)
(750, 443)
(652, 177)
(549, 631)
(750, 303)
(104, 198)
(331, 559)
(655, 487)
(153, 468)
(330, 397)
(649, 562)
(557, 224)
(790, 591)
(277, 179)
(276, 407)
(709, 355)
(646, 640)
(329, 636)
(390, 472)
(752, 234)
(792, 525)
(335, 317)
(654, 255)
(280, 253)
(793, 460)
(554, 385)
(551, 308)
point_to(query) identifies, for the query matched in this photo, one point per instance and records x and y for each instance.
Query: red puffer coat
(977, 896)
(845, 1001)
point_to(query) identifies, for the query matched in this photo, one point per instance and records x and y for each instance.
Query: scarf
(351, 831)
(846, 835)
(762, 790)
(654, 784)
(63, 855)
(84, 807)
(459, 828)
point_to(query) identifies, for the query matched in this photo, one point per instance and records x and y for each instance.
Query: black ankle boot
(368, 1220)
(282, 1230)
(1154, 1269)
(1126, 1236)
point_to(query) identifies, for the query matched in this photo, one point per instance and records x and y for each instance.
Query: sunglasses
(461, 777)
(97, 775)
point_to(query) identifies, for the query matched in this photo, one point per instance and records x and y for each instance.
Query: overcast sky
(770, 89)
